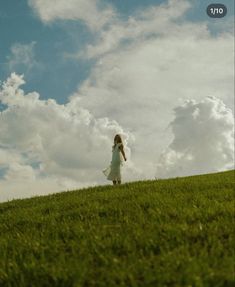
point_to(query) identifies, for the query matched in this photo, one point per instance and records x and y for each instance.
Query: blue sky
(20, 25)
(57, 77)
(160, 73)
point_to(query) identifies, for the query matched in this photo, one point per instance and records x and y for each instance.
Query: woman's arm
(122, 151)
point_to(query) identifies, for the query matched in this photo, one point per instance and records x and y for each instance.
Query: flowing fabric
(113, 172)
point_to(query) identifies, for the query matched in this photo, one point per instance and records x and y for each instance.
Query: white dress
(113, 172)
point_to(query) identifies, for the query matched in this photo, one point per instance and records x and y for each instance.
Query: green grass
(176, 232)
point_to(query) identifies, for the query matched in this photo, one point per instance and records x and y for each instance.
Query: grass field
(176, 232)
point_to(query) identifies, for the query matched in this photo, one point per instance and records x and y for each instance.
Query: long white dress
(113, 172)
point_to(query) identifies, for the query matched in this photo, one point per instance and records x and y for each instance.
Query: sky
(76, 72)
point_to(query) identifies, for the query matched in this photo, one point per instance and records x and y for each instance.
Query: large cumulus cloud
(203, 139)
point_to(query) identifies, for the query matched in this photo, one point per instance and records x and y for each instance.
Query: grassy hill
(176, 232)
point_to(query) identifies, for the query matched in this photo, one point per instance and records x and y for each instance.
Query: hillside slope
(175, 232)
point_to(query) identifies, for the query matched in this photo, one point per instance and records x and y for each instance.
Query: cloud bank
(149, 64)
(45, 141)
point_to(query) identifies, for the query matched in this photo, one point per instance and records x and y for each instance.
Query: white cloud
(155, 21)
(66, 143)
(139, 83)
(92, 12)
(22, 57)
(8, 156)
(203, 139)
(18, 171)
(28, 187)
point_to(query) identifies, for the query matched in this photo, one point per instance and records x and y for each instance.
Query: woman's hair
(117, 139)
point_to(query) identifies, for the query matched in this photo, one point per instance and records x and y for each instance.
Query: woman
(113, 172)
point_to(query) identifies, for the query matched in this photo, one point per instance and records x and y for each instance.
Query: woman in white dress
(113, 172)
